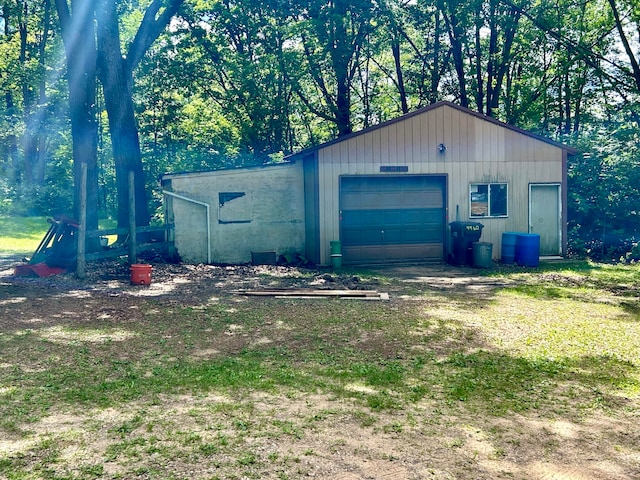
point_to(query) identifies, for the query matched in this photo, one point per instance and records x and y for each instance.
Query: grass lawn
(517, 374)
(21, 235)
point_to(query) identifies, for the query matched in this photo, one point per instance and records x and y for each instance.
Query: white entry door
(545, 217)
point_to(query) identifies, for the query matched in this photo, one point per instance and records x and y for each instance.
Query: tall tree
(239, 64)
(35, 98)
(457, 17)
(503, 24)
(27, 28)
(421, 56)
(115, 71)
(624, 24)
(332, 36)
(10, 154)
(78, 34)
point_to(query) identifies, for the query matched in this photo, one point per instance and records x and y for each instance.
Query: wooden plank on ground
(293, 292)
(309, 293)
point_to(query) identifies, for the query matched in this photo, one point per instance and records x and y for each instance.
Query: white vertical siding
(478, 151)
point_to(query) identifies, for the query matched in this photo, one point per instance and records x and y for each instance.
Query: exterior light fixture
(442, 148)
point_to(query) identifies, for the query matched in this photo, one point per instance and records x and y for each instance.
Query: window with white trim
(488, 200)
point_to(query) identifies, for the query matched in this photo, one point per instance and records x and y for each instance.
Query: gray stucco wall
(251, 210)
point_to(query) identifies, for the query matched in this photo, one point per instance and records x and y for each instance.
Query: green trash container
(336, 254)
(482, 255)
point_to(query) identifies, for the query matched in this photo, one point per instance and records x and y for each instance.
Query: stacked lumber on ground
(309, 293)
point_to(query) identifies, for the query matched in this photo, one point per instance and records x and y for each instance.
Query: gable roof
(310, 150)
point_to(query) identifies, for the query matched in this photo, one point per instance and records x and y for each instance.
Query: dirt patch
(274, 436)
(189, 283)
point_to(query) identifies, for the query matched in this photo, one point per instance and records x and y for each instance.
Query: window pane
(498, 193)
(479, 200)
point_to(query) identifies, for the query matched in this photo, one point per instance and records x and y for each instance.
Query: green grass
(608, 275)
(218, 383)
(496, 366)
(21, 235)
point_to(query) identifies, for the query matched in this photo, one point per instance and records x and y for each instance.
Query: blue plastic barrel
(509, 240)
(528, 249)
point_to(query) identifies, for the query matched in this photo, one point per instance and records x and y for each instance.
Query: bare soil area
(294, 435)
(188, 282)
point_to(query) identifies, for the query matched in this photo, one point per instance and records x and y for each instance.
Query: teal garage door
(386, 219)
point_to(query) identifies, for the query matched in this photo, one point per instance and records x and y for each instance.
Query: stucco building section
(250, 210)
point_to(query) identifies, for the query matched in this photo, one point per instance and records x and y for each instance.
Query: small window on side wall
(488, 200)
(234, 207)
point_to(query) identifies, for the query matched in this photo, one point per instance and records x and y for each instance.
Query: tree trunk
(31, 110)
(395, 49)
(479, 79)
(510, 26)
(343, 106)
(13, 162)
(78, 37)
(455, 37)
(566, 128)
(435, 71)
(633, 60)
(12, 167)
(39, 158)
(340, 55)
(116, 76)
(491, 58)
(116, 83)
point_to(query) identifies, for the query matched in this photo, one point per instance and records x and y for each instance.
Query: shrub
(47, 200)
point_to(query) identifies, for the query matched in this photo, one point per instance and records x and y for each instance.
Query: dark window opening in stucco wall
(234, 207)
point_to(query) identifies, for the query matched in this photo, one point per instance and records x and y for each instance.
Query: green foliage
(33, 200)
(5, 197)
(234, 83)
(604, 189)
(234, 67)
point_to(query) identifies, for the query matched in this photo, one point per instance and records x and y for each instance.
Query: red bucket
(140, 274)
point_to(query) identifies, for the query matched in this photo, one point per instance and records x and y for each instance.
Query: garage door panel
(391, 200)
(362, 200)
(364, 236)
(352, 219)
(413, 252)
(392, 218)
(406, 236)
(418, 235)
(360, 219)
(386, 227)
(393, 253)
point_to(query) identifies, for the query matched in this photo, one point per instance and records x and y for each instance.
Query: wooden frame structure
(131, 247)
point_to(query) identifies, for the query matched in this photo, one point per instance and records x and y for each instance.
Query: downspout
(197, 202)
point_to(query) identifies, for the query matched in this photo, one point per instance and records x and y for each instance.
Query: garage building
(387, 193)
